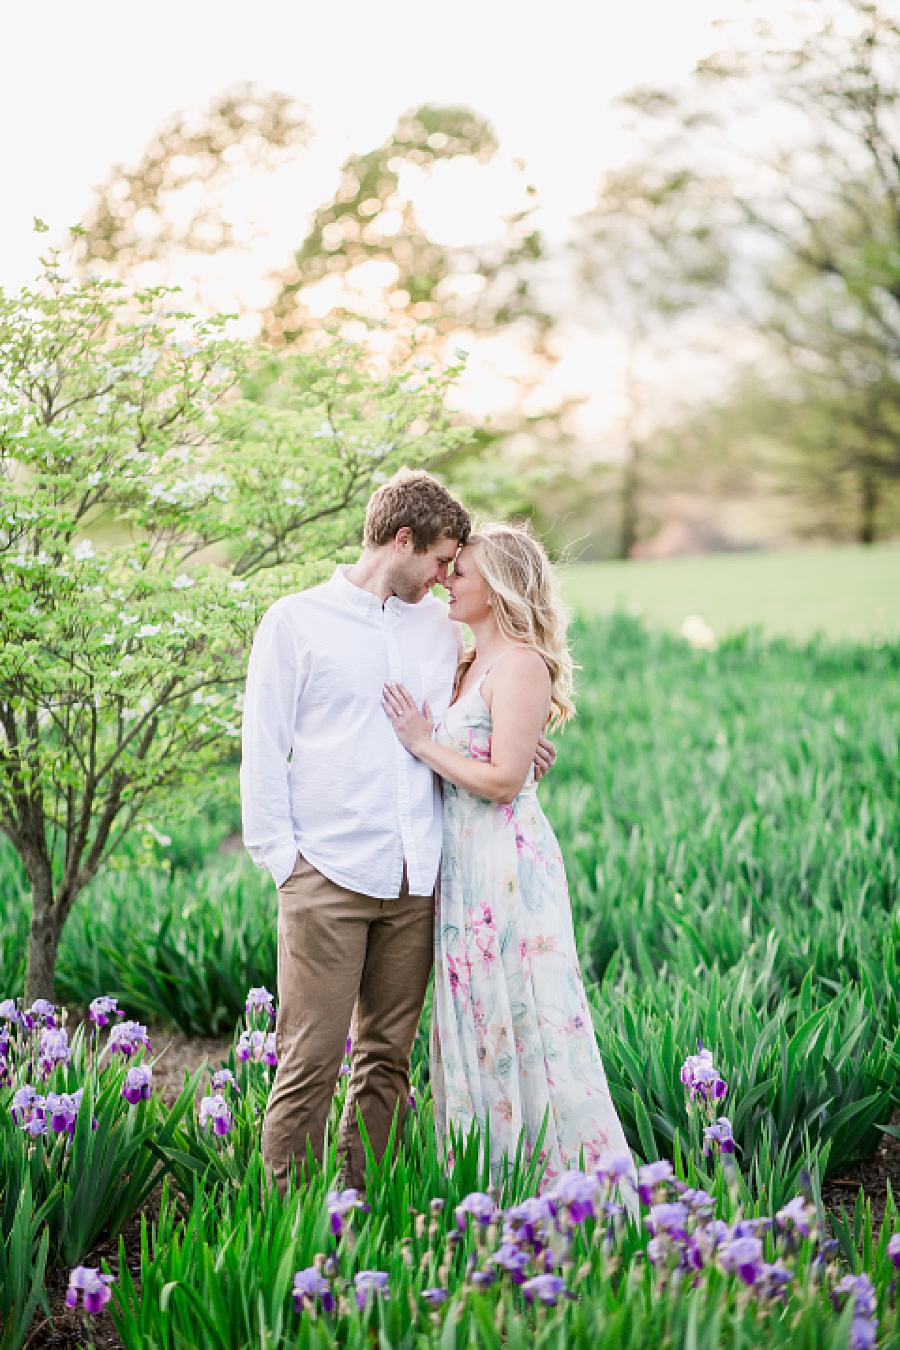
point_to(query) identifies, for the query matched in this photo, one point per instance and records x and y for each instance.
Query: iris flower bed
(429, 1255)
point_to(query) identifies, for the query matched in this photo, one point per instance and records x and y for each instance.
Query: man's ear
(403, 539)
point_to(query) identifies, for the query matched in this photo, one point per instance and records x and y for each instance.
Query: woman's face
(468, 590)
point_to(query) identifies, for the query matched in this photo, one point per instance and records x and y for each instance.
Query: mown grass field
(843, 593)
(730, 822)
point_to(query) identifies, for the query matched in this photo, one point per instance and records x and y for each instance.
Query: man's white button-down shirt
(322, 772)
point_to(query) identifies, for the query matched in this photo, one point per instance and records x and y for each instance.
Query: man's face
(414, 574)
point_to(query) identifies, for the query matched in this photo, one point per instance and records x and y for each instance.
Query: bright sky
(87, 86)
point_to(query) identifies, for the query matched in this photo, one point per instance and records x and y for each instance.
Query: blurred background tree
(782, 156)
(743, 265)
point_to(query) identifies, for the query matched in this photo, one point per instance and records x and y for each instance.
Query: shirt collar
(365, 601)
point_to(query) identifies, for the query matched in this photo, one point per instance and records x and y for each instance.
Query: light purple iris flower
(742, 1256)
(223, 1078)
(260, 1000)
(215, 1109)
(62, 1109)
(719, 1133)
(41, 1011)
(339, 1204)
(125, 1038)
(435, 1296)
(575, 1192)
(28, 1110)
(513, 1259)
(479, 1205)
(137, 1084)
(668, 1218)
(102, 1008)
(9, 1011)
(893, 1250)
(310, 1284)
(368, 1282)
(650, 1176)
(700, 1076)
(258, 1046)
(92, 1286)
(54, 1049)
(545, 1288)
(799, 1214)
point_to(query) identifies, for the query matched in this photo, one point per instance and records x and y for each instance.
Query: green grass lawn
(839, 592)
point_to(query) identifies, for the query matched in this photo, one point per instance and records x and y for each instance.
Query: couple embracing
(389, 784)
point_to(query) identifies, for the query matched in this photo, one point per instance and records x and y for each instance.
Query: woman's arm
(520, 703)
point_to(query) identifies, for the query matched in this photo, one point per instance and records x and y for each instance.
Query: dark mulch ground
(180, 1054)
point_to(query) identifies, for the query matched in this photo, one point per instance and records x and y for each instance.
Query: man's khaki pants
(339, 950)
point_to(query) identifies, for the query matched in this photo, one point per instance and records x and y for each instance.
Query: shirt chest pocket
(435, 687)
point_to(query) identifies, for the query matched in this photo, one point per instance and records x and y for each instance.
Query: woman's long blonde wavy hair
(526, 604)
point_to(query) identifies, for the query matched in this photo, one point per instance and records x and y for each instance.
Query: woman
(512, 1038)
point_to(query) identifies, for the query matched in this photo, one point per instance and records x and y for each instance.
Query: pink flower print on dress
(459, 969)
(575, 1025)
(595, 1148)
(505, 1110)
(483, 917)
(476, 751)
(487, 951)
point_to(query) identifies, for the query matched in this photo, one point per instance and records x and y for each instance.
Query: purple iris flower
(9, 1011)
(137, 1084)
(720, 1134)
(309, 1284)
(668, 1218)
(62, 1108)
(700, 1076)
(222, 1079)
(54, 1049)
(339, 1204)
(513, 1260)
(258, 1046)
(863, 1334)
(102, 1008)
(125, 1038)
(215, 1109)
(28, 1110)
(774, 1279)
(437, 1205)
(893, 1250)
(575, 1192)
(41, 1011)
(93, 1287)
(435, 1296)
(742, 1256)
(260, 1000)
(861, 1290)
(798, 1214)
(650, 1176)
(348, 1045)
(694, 1198)
(544, 1288)
(368, 1282)
(479, 1205)
(526, 1219)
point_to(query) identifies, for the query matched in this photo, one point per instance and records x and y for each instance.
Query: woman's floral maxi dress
(511, 1032)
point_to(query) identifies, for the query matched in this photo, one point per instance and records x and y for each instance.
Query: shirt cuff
(278, 861)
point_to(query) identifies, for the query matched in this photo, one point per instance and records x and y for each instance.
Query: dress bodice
(466, 727)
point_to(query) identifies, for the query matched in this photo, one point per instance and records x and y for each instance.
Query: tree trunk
(868, 506)
(43, 942)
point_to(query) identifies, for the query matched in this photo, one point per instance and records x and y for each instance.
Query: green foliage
(121, 664)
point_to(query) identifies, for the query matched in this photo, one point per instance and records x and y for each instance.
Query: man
(347, 822)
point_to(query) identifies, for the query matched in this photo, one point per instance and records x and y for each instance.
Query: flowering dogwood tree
(160, 485)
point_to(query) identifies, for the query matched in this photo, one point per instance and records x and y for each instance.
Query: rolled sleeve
(267, 737)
